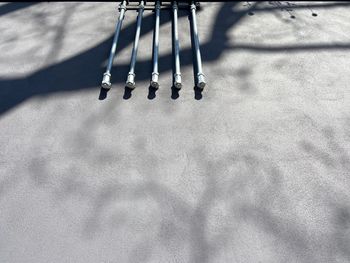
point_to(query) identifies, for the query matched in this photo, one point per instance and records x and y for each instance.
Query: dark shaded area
(15, 6)
(197, 93)
(175, 93)
(103, 94)
(151, 92)
(127, 93)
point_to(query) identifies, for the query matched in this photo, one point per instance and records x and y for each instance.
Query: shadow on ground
(84, 70)
(180, 221)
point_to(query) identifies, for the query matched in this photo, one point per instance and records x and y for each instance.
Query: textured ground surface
(254, 169)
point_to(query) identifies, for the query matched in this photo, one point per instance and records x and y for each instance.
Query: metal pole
(177, 75)
(106, 81)
(130, 82)
(155, 73)
(200, 75)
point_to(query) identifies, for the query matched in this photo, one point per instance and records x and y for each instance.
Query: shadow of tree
(12, 7)
(238, 173)
(67, 75)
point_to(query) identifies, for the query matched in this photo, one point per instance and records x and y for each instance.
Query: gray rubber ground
(256, 168)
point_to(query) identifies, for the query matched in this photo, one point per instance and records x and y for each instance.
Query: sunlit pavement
(256, 168)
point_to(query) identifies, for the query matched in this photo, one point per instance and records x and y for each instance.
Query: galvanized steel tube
(106, 81)
(130, 82)
(200, 80)
(177, 75)
(155, 73)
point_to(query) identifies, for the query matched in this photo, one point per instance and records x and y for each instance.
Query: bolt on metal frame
(106, 81)
(130, 82)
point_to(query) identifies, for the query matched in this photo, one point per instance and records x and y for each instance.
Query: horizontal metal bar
(181, 5)
(153, 8)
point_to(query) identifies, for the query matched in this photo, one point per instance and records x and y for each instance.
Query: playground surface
(256, 168)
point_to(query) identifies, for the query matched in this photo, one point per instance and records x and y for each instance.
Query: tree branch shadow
(84, 70)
